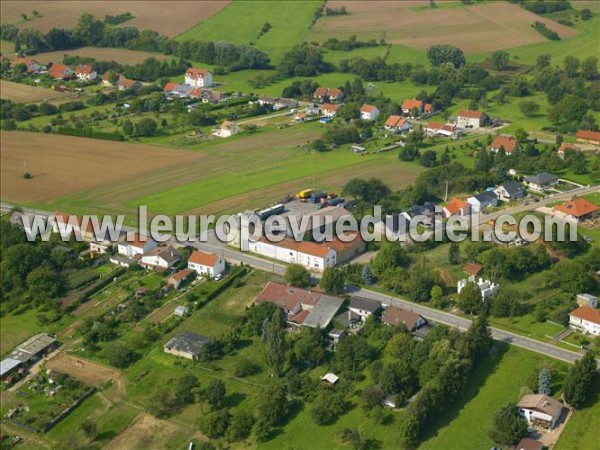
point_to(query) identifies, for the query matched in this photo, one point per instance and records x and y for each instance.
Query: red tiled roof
(397, 316)
(566, 146)
(427, 107)
(196, 92)
(508, 142)
(125, 82)
(57, 70)
(300, 317)
(395, 121)
(169, 87)
(334, 92)
(287, 297)
(434, 125)
(587, 313)
(320, 92)
(339, 246)
(473, 269)
(138, 240)
(470, 114)
(591, 135)
(330, 107)
(577, 207)
(456, 205)
(181, 275)
(367, 108)
(308, 248)
(84, 69)
(196, 73)
(203, 258)
(412, 103)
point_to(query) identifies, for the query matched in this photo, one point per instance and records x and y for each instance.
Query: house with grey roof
(323, 312)
(187, 345)
(363, 307)
(483, 200)
(510, 191)
(541, 181)
(27, 353)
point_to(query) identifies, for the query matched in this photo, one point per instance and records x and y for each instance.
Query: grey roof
(424, 209)
(182, 89)
(31, 347)
(322, 313)
(486, 196)
(541, 178)
(187, 342)
(364, 304)
(513, 187)
(396, 223)
(8, 364)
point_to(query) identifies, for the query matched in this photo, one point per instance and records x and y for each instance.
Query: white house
(402, 317)
(86, 72)
(369, 112)
(509, 191)
(486, 287)
(160, 257)
(586, 319)
(60, 71)
(541, 181)
(31, 64)
(330, 109)
(480, 201)
(505, 142)
(397, 124)
(540, 410)
(467, 118)
(587, 300)
(198, 78)
(313, 256)
(363, 307)
(206, 263)
(137, 245)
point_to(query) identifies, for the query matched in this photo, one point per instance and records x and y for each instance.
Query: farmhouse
(589, 137)
(125, 83)
(32, 65)
(587, 300)
(401, 317)
(160, 258)
(566, 147)
(369, 112)
(181, 277)
(60, 71)
(457, 207)
(541, 181)
(586, 319)
(397, 124)
(486, 287)
(86, 72)
(363, 307)
(330, 109)
(504, 142)
(206, 263)
(415, 108)
(578, 209)
(323, 95)
(26, 354)
(540, 410)
(510, 191)
(302, 307)
(198, 78)
(137, 245)
(473, 269)
(467, 118)
(480, 201)
(177, 90)
(187, 345)
(311, 255)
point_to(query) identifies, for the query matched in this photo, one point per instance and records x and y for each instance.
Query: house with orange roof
(566, 147)
(60, 71)
(330, 109)
(457, 207)
(205, 263)
(402, 318)
(397, 124)
(311, 255)
(86, 72)
(369, 112)
(125, 83)
(198, 78)
(505, 142)
(328, 95)
(414, 108)
(468, 118)
(32, 65)
(135, 244)
(106, 78)
(586, 319)
(169, 86)
(578, 208)
(589, 137)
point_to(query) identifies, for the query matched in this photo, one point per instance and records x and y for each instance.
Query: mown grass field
(241, 23)
(582, 430)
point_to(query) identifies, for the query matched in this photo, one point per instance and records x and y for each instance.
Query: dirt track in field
(63, 165)
(474, 29)
(167, 17)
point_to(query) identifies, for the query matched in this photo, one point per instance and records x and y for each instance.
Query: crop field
(61, 165)
(121, 55)
(475, 29)
(167, 17)
(290, 21)
(23, 93)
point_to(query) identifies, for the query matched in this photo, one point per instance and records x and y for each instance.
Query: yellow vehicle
(304, 195)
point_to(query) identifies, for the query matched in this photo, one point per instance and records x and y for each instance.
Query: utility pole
(446, 196)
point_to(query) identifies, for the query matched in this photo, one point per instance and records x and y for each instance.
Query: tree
(445, 53)
(529, 108)
(544, 381)
(586, 14)
(499, 59)
(469, 299)
(580, 380)
(543, 61)
(454, 253)
(120, 355)
(215, 393)
(127, 127)
(240, 426)
(184, 389)
(146, 127)
(571, 66)
(428, 158)
(521, 135)
(353, 437)
(276, 345)
(274, 405)
(215, 424)
(89, 428)
(508, 427)
(45, 283)
(371, 397)
(569, 109)
(297, 275)
(390, 255)
(332, 280)
(367, 275)
(589, 67)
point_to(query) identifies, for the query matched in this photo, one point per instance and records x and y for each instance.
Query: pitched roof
(196, 73)
(58, 70)
(367, 108)
(513, 187)
(412, 103)
(529, 444)
(586, 134)
(471, 114)
(364, 304)
(542, 403)
(456, 205)
(509, 143)
(181, 275)
(566, 146)
(287, 297)
(167, 253)
(473, 268)
(395, 121)
(323, 312)
(138, 240)
(334, 92)
(203, 258)
(541, 178)
(169, 86)
(84, 69)
(434, 125)
(320, 92)
(427, 107)
(126, 82)
(187, 342)
(577, 207)
(486, 196)
(308, 248)
(331, 107)
(397, 316)
(587, 313)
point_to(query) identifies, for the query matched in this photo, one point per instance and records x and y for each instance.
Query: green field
(582, 430)
(241, 22)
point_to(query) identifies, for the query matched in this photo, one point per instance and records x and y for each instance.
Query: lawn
(582, 430)
(290, 21)
(495, 382)
(527, 326)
